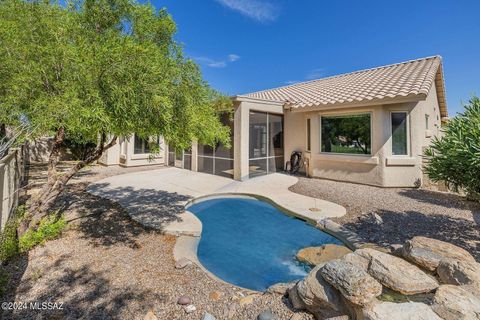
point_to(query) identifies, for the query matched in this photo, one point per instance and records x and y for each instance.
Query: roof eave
(358, 104)
(241, 98)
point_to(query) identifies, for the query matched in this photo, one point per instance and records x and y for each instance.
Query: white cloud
(210, 62)
(315, 74)
(259, 10)
(233, 57)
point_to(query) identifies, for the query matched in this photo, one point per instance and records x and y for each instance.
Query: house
(369, 126)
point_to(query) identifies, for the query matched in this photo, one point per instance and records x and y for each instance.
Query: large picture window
(349, 134)
(140, 146)
(399, 133)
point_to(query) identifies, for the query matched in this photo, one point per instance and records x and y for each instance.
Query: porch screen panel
(266, 153)
(218, 160)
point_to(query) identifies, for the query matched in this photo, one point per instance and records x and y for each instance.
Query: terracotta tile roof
(410, 79)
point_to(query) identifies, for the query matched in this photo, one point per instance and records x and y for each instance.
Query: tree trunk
(40, 206)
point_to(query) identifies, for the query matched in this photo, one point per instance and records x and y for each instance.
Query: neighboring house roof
(406, 81)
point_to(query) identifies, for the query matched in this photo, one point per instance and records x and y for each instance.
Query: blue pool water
(252, 244)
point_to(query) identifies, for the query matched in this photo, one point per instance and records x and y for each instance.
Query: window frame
(407, 113)
(308, 143)
(370, 113)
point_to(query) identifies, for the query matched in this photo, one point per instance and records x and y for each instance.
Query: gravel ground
(106, 266)
(404, 213)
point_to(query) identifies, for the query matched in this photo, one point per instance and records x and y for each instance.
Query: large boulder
(400, 311)
(454, 303)
(355, 284)
(396, 273)
(318, 255)
(428, 253)
(315, 293)
(459, 272)
(357, 260)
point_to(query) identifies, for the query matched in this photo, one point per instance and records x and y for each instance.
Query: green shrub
(8, 238)
(4, 278)
(49, 228)
(455, 157)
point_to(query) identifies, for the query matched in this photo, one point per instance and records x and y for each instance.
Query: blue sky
(249, 45)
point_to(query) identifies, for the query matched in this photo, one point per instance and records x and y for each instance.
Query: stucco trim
(401, 161)
(347, 158)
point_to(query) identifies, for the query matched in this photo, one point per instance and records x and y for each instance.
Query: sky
(244, 46)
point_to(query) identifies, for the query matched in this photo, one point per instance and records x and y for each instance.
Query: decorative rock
(150, 316)
(459, 272)
(215, 295)
(316, 293)
(397, 274)
(454, 303)
(344, 317)
(266, 315)
(295, 299)
(428, 253)
(355, 284)
(296, 316)
(208, 316)
(184, 300)
(317, 255)
(182, 263)
(190, 308)
(400, 311)
(357, 260)
(281, 288)
(396, 249)
(246, 300)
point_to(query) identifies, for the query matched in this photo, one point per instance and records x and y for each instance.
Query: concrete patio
(157, 198)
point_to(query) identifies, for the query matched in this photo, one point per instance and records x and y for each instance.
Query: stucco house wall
(381, 168)
(122, 153)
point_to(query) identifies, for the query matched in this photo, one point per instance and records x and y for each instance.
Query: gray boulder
(428, 253)
(459, 272)
(454, 303)
(281, 288)
(357, 260)
(355, 284)
(315, 293)
(397, 274)
(400, 311)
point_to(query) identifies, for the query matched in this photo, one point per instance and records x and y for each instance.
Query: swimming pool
(252, 244)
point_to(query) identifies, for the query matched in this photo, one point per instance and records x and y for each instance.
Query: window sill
(143, 156)
(348, 158)
(401, 161)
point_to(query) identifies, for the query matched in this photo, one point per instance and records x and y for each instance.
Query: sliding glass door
(266, 143)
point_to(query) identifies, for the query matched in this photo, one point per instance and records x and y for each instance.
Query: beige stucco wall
(381, 168)
(122, 153)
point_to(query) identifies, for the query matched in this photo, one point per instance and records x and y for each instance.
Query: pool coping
(186, 245)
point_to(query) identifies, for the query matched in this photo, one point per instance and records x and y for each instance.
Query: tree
(94, 70)
(455, 157)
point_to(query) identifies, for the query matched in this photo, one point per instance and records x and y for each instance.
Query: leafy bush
(8, 239)
(4, 278)
(455, 157)
(49, 228)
